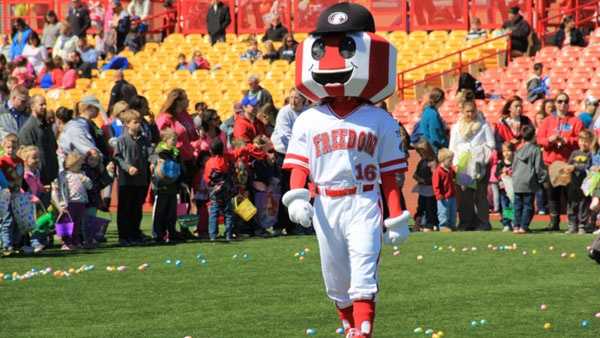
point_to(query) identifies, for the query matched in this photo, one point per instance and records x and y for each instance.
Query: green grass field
(274, 294)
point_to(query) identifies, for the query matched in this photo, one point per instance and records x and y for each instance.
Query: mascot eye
(347, 47)
(318, 49)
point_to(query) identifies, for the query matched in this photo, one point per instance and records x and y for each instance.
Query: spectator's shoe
(228, 238)
(26, 249)
(554, 224)
(277, 232)
(571, 230)
(124, 243)
(581, 231)
(507, 229)
(262, 233)
(66, 247)
(6, 252)
(38, 248)
(445, 229)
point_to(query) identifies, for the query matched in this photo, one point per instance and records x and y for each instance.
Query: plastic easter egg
(483, 322)
(440, 334)
(435, 247)
(474, 323)
(543, 307)
(547, 326)
(396, 253)
(597, 315)
(533, 252)
(311, 332)
(453, 250)
(524, 253)
(302, 254)
(306, 250)
(121, 268)
(585, 323)
(395, 248)
(339, 330)
(295, 255)
(429, 332)
(203, 262)
(419, 258)
(178, 263)
(551, 248)
(418, 330)
(246, 256)
(168, 261)
(301, 258)
(474, 248)
(572, 255)
(563, 255)
(435, 335)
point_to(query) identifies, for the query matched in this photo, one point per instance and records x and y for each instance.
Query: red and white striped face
(357, 64)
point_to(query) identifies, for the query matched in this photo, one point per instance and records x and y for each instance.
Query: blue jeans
(446, 212)
(505, 204)
(541, 201)
(9, 232)
(523, 209)
(216, 207)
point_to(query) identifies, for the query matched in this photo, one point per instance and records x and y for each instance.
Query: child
(503, 170)
(578, 205)
(201, 196)
(93, 169)
(443, 187)
(426, 208)
(252, 53)
(217, 174)
(132, 152)
(16, 209)
(70, 194)
(198, 62)
(182, 64)
(31, 160)
(23, 72)
(537, 85)
(529, 176)
(166, 173)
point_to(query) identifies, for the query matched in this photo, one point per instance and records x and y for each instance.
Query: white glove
(397, 229)
(299, 207)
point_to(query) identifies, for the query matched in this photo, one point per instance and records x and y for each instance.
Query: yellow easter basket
(245, 209)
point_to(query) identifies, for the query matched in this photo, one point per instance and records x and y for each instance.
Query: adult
(432, 126)
(473, 138)
(66, 42)
(35, 52)
(81, 134)
(79, 18)
(270, 53)
(174, 114)
(587, 116)
(258, 93)
(276, 30)
(466, 81)
(20, 36)
(210, 131)
(280, 138)
(287, 51)
(121, 90)
(509, 126)
(119, 26)
(38, 131)
(51, 30)
(558, 136)
(568, 34)
(217, 21)
(519, 31)
(16, 111)
(246, 126)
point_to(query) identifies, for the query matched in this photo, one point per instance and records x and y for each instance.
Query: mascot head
(344, 58)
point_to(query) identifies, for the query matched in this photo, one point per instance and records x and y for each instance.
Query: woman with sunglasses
(557, 136)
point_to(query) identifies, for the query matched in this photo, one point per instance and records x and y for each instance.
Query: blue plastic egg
(339, 330)
(311, 332)
(585, 323)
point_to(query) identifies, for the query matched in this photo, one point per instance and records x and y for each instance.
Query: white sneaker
(506, 229)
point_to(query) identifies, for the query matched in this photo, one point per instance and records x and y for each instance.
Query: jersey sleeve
(391, 158)
(298, 152)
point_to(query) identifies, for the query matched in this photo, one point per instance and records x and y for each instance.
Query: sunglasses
(562, 101)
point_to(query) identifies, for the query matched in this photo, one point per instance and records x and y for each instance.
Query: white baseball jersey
(347, 151)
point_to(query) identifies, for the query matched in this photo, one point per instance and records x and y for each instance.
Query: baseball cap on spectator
(591, 100)
(91, 100)
(248, 101)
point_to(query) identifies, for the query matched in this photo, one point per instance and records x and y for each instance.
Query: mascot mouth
(332, 77)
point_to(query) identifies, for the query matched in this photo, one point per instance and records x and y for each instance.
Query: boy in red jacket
(443, 188)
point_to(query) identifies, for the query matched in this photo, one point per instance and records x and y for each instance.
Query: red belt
(331, 192)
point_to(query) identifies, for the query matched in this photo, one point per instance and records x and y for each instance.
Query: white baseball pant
(349, 231)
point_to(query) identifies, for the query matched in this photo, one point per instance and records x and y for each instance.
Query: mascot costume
(348, 147)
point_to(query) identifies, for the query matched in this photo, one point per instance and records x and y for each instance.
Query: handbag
(64, 225)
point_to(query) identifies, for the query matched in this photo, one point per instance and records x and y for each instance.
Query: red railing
(583, 12)
(402, 85)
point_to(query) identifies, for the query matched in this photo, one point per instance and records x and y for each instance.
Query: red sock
(364, 315)
(346, 317)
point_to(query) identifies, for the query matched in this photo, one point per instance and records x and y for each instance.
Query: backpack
(416, 134)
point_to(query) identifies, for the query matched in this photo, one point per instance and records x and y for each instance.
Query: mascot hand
(299, 207)
(397, 229)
